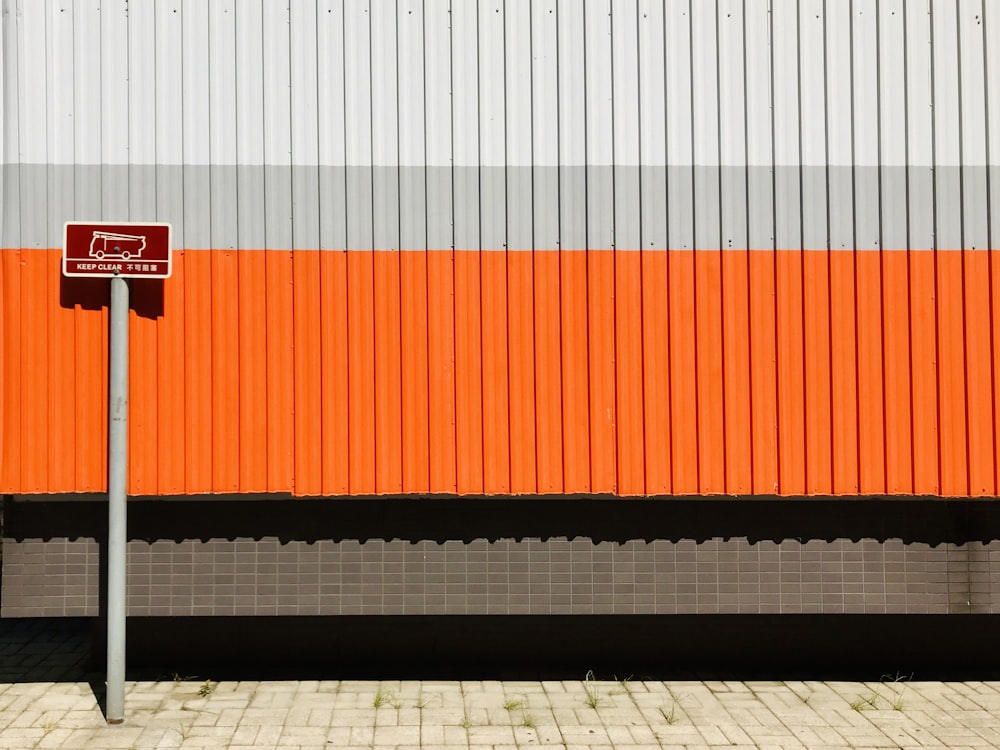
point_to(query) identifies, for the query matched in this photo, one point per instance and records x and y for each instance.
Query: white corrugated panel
(362, 124)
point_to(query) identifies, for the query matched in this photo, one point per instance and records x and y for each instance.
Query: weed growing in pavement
(896, 684)
(512, 704)
(593, 698)
(865, 702)
(466, 722)
(206, 689)
(669, 715)
(625, 687)
(422, 702)
(49, 727)
(382, 697)
(527, 720)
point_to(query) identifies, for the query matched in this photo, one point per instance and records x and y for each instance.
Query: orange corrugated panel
(871, 442)
(280, 378)
(590, 330)
(36, 267)
(736, 370)
(844, 341)
(656, 372)
(91, 297)
(576, 398)
(388, 378)
(994, 260)
(170, 383)
(198, 371)
(10, 369)
(683, 380)
(896, 341)
(61, 446)
(548, 371)
(361, 371)
(978, 373)
(253, 372)
(414, 358)
(763, 372)
(708, 330)
(468, 372)
(441, 370)
(629, 411)
(816, 321)
(923, 339)
(226, 371)
(308, 375)
(143, 390)
(791, 373)
(496, 415)
(521, 333)
(951, 373)
(333, 371)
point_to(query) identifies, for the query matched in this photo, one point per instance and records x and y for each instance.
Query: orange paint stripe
(414, 363)
(62, 399)
(871, 378)
(791, 373)
(225, 371)
(90, 300)
(548, 372)
(923, 341)
(333, 372)
(994, 261)
(896, 344)
(280, 373)
(521, 342)
(388, 377)
(576, 401)
(11, 367)
(171, 383)
(736, 370)
(683, 380)
(468, 372)
(308, 382)
(311, 354)
(845, 335)
(143, 390)
(198, 371)
(763, 372)
(629, 413)
(361, 372)
(816, 306)
(441, 370)
(496, 416)
(589, 343)
(711, 409)
(951, 375)
(656, 372)
(978, 373)
(253, 374)
(35, 270)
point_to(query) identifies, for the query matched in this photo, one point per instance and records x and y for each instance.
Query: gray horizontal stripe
(515, 208)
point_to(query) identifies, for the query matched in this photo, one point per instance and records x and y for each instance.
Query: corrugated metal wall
(519, 246)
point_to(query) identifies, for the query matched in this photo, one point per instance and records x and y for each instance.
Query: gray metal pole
(117, 466)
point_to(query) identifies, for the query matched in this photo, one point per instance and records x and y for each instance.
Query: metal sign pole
(117, 472)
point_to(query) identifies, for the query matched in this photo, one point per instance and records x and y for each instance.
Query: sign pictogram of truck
(117, 246)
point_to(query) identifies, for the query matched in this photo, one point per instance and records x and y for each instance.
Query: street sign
(104, 249)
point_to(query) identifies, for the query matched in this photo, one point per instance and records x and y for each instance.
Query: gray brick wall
(415, 557)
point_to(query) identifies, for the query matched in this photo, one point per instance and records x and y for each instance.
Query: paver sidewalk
(473, 714)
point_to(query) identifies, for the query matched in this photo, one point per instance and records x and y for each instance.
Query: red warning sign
(108, 249)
